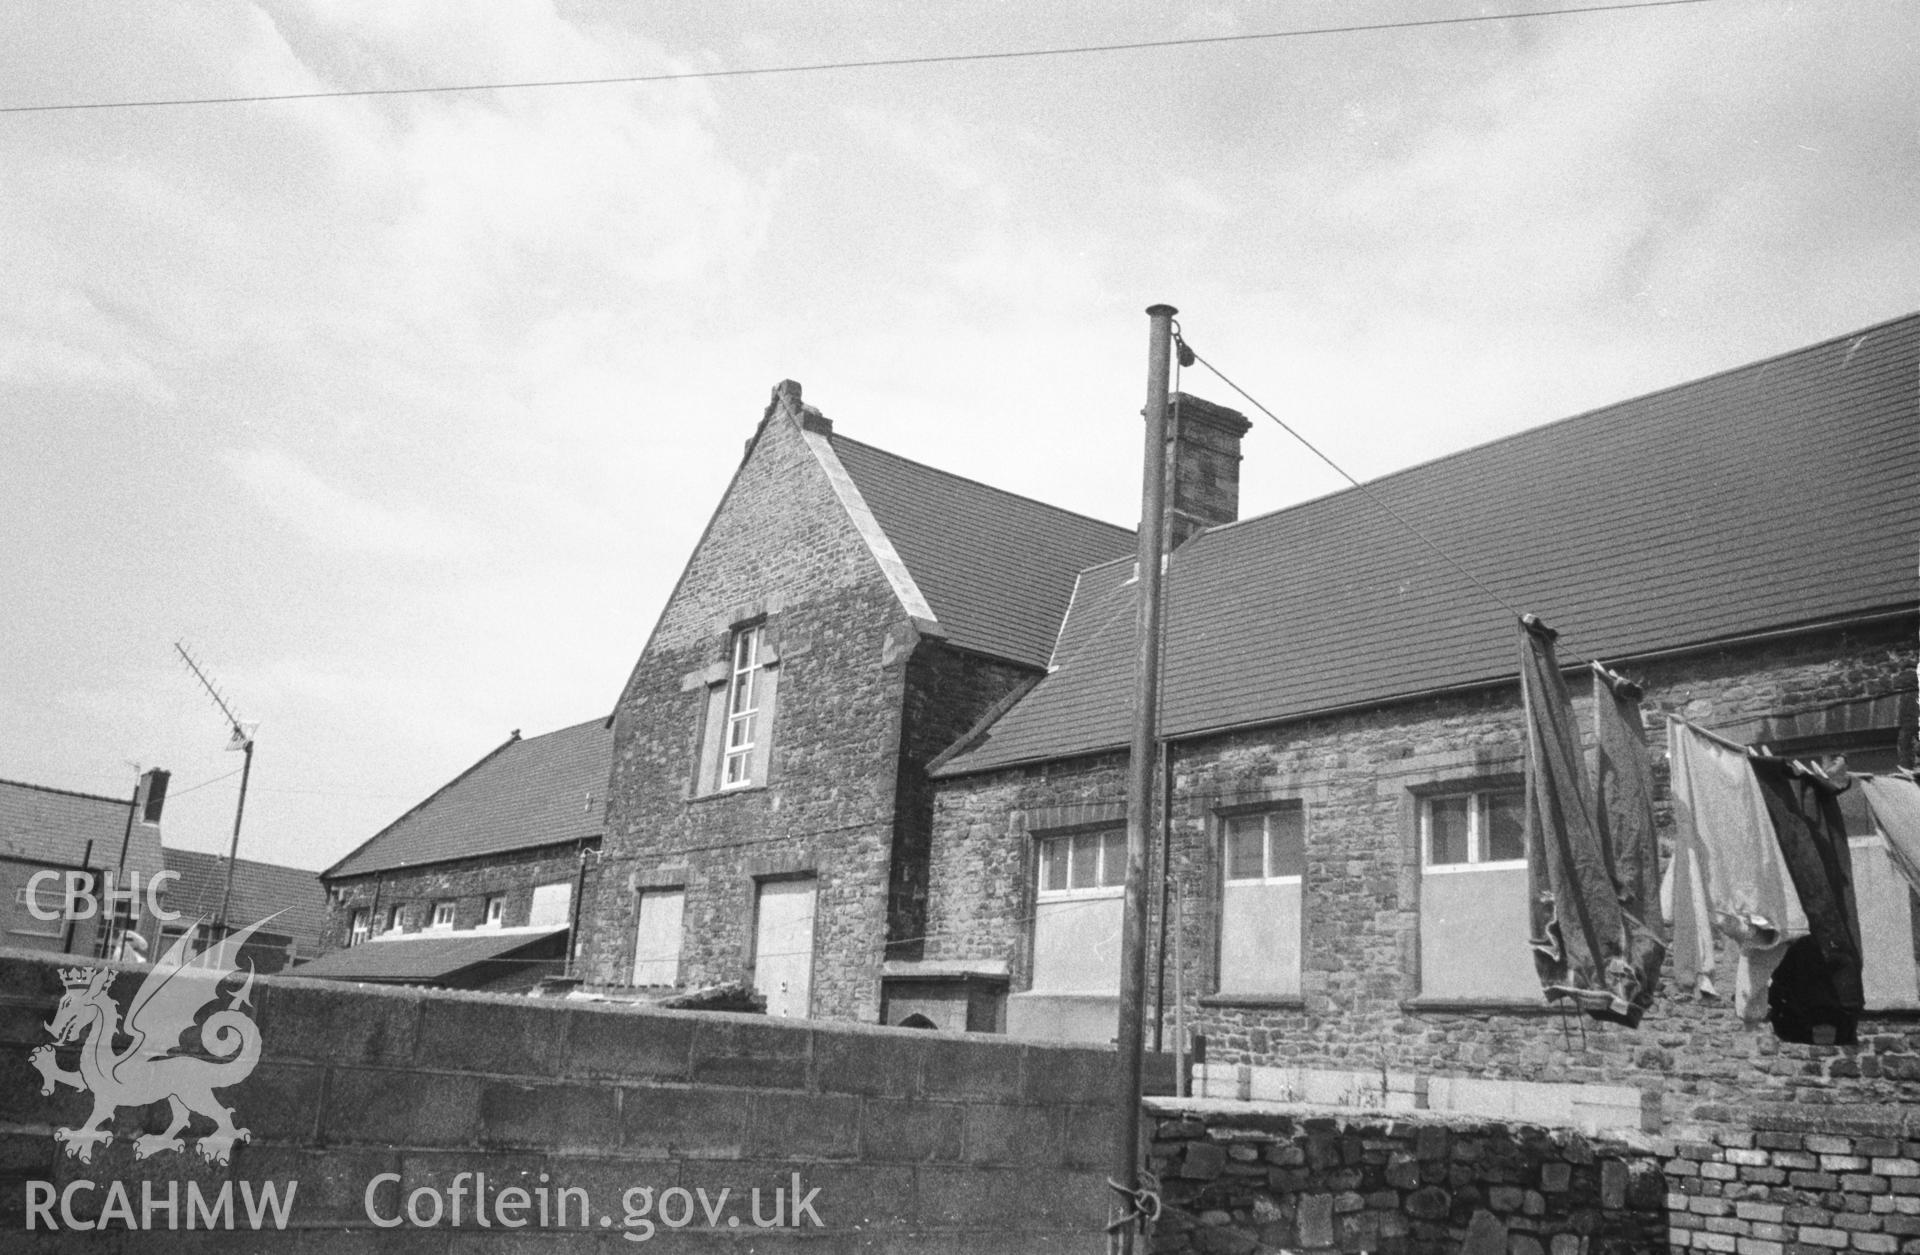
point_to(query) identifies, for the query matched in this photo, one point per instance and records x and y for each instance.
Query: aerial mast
(241, 738)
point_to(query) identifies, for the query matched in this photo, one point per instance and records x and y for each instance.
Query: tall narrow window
(496, 910)
(1263, 858)
(656, 941)
(738, 733)
(1474, 930)
(743, 709)
(358, 932)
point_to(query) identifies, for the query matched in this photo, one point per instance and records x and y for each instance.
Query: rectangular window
(743, 709)
(1474, 926)
(442, 915)
(23, 920)
(1087, 860)
(357, 932)
(1263, 860)
(1077, 915)
(552, 904)
(496, 910)
(396, 919)
(1473, 828)
(656, 942)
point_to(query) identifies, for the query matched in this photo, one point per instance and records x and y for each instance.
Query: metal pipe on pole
(233, 848)
(1140, 773)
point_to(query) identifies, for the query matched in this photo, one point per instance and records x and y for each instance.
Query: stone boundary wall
(1236, 1180)
(915, 1140)
(1772, 1180)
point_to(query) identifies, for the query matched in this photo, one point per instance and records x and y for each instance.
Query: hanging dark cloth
(1623, 818)
(1818, 984)
(1585, 946)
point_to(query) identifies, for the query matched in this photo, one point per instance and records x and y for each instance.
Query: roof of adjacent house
(61, 827)
(424, 959)
(542, 790)
(997, 569)
(294, 896)
(1779, 494)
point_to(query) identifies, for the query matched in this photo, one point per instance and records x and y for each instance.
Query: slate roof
(43, 825)
(259, 890)
(1782, 493)
(542, 790)
(997, 569)
(420, 959)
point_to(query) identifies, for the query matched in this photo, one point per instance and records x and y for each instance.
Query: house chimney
(1205, 468)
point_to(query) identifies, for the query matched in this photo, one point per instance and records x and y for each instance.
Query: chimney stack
(1205, 468)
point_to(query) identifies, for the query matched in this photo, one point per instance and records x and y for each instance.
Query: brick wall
(467, 882)
(1796, 1180)
(1357, 777)
(916, 1141)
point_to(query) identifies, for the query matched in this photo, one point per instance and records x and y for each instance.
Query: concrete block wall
(915, 1141)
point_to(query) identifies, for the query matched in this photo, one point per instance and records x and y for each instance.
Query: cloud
(336, 521)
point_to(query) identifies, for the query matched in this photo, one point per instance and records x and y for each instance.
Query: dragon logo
(155, 1065)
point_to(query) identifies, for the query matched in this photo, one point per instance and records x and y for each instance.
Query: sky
(404, 412)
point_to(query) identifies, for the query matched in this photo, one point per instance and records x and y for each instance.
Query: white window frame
(1267, 875)
(1478, 808)
(496, 910)
(739, 736)
(359, 926)
(396, 918)
(1105, 852)
(442, 915)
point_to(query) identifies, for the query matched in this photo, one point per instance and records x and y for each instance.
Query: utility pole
(241, 738)
(1140, 772)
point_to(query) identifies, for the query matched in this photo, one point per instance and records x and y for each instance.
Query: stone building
(476, 887)
(1342, 730)
(846, 615)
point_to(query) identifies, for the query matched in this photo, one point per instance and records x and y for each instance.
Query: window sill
(1485, 1006)
(716, 795)
(1264, 1002)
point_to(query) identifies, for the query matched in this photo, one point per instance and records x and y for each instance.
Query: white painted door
(656, 942)
(783, 946)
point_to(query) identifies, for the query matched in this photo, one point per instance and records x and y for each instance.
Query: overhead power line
(825, 66)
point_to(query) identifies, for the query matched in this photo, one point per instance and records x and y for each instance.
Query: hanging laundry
(1727, 874)
(1821, 984)
(1623, 818)
(1585, 947)
(1895, 803)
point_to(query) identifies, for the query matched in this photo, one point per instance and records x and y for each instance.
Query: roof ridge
(572, 727)
(1552, 424)
(167, 851)
(978, 483)
(48, 788)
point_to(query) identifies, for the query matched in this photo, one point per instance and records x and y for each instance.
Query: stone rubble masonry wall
(1358, 775)
(917, 1141)
(1236, 1182)
(855, 676)
(469, 882)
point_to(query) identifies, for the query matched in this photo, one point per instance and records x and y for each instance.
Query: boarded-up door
(656, 942)
(783, 946)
